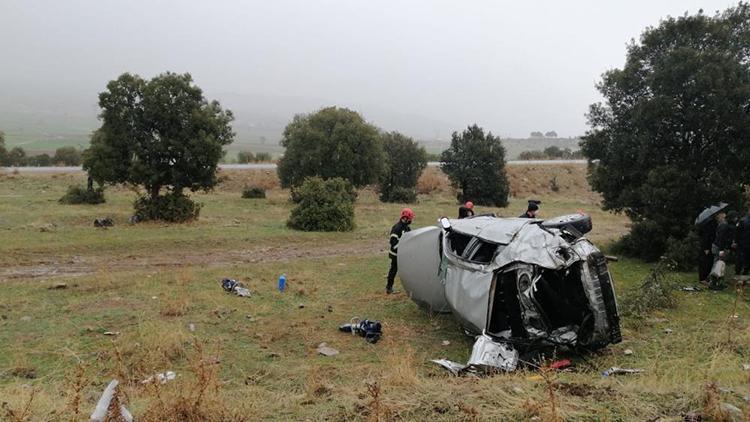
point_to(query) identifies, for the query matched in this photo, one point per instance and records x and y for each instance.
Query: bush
(684, 253)
(405, 161)
(400, 194)
(655, 292)
(252, 192)
(244, 157)
(78, 194)
(645, 241)
(69, 156)
(323, 205)
(262, 157)
(174, 207)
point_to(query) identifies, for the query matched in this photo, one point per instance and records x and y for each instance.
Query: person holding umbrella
(707, 226)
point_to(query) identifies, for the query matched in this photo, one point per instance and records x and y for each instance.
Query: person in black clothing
(724, 237)
(466, 210)
(707, 233)
(398, 229)
(742, 240)
(531, 210)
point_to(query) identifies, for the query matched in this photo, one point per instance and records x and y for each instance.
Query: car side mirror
(445, 223)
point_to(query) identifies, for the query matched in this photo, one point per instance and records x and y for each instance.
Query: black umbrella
(709, 212)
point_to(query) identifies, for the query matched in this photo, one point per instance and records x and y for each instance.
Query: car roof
(491, 229)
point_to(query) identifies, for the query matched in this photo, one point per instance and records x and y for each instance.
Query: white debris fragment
(162, 378)
(627, 352)
(746, 366)
(446, 343)
(111, 333)
(325, 350)
(102, 407)
(668, 331)
(191, 327)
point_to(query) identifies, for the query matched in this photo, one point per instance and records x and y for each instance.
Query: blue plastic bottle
(282, 282)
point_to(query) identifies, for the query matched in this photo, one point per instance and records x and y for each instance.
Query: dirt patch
(586, 390)
(69, 266)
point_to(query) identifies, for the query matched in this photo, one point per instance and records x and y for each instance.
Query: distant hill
(45, 124)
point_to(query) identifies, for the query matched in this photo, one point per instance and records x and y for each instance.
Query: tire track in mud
(84, 265)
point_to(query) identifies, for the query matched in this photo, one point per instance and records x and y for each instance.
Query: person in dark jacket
(398, 229)
(466, 210)
(707, 233)
(724, 237)
(531, 210)
(742, 240)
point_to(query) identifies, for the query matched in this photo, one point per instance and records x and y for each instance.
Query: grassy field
(157, 285)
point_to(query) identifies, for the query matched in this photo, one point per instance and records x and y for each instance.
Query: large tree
(161, 134)
(405, 161)
(333, 142)
(475, 164)
(672, 134)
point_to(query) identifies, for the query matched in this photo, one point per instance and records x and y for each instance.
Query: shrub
(400, 194)
(262, 157)
(69, 156)
(683, 253)
(323, 205)
(554, 187)
(655, 292)
(174, 207)
(78, 194)
(645, 241)
(405, 161)
(244, 157)
(252, 192)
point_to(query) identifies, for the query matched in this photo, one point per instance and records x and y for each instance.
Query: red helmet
(469, 205)
(407, 213)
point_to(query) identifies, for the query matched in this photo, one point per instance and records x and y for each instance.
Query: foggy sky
(512, 67)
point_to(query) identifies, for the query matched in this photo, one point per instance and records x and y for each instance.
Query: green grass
(269, 368)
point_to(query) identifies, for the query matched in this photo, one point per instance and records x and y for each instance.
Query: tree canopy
(160, 133)
(333, 142)
(475, 163)
(405, 161)
(671, 136)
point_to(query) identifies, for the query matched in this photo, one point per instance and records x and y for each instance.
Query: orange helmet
(407, 213)
(469, 205)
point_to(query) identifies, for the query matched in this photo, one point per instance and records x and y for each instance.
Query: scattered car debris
(668, 331)
(103, 222)
(691, 289)
(59, 286)
(487, 356)
(161, 378)
(370, 330)
(561, 364)
(746, 366)
(106, 408)
(233, 286)
(191, 327)
(133, 219)
(612, 258)
(325, 350)
(616, 370)
(301, 306)
(446, 343)
(627, 352)
(111, 333)
(529, 284)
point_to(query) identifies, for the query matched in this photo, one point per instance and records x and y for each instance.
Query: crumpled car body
(522, 282)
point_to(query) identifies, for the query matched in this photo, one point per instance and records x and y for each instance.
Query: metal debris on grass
(161, 378)
(233, 286)
(616, 370)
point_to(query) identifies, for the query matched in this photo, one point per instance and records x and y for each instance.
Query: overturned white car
(520, 283)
